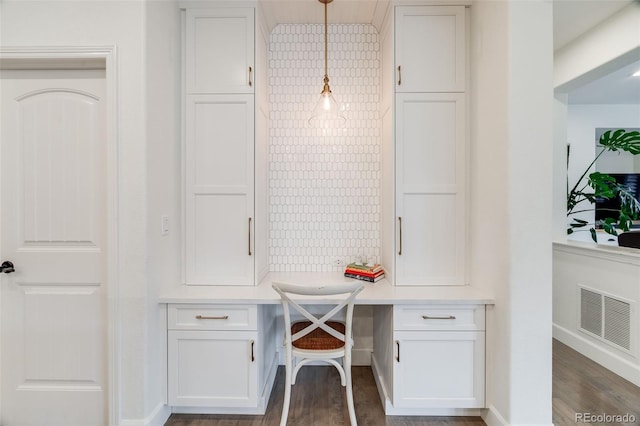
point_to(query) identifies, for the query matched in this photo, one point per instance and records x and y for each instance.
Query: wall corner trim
(157, 417)
(492, 417)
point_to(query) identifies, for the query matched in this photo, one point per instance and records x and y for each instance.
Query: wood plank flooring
(579, 386)
(317, 399)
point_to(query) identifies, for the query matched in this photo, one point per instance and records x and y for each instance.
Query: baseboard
(268, 387)
(380, 385)
(157, 417)
(361, 357)
(492, 417)
(606, 358)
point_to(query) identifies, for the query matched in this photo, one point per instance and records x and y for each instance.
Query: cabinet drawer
(212, 317)
(438, 317)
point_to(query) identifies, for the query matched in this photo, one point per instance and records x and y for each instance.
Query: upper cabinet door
(430, 48)
(220, 50)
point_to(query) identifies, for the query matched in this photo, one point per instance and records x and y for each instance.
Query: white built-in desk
(428, 355)
(380, 293)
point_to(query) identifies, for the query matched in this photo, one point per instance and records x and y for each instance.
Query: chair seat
(318, 339)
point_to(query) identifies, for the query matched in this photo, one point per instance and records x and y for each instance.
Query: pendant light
(326, 113)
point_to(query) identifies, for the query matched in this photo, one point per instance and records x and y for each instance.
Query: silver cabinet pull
(399, 75)
(222, 317)
(449, 317)
(250, 82)
(249, 243)
(400, 224)
(253, 358)
(398, 355)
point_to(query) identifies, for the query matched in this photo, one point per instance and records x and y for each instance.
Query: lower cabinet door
(212, 368)
(439, 369)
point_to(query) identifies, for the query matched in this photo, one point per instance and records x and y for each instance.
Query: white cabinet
(430, 188)
(430, 136)
(212, 368)
(219, 139)
(436, 360)
(430, 48)
(219, 189)
(221, 358)
(219, 55)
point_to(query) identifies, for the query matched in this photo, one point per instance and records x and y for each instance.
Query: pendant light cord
(326, 73)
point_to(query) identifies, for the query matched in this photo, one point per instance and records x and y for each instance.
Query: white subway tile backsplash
(324, 183)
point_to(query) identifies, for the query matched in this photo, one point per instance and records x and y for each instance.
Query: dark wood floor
(579, 386)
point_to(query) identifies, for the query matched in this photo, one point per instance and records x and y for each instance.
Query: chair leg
(349, 390)
(287, 390)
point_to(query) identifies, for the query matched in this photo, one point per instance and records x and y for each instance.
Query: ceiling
(571, 19)
(312, 12)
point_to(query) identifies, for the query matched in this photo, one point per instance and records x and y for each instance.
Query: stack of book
(370, 273)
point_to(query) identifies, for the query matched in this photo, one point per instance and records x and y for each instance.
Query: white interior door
(53, 229)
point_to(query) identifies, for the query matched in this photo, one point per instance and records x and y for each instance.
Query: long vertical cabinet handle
(398, 354)
(249, 242)
(399, 75)
(400, 232)
(253, 358)
(250, 82)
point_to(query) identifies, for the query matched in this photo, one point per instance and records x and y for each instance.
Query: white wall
(582, 121)
(164, 188)
(511, 162)
(613, 272)
(121, 24)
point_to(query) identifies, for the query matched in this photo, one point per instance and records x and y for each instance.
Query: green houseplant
(595, 185)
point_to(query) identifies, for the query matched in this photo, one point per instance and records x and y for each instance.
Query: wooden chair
(629, 239)
(318, 339)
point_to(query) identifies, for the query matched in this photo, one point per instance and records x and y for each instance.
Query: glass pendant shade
(326, 113)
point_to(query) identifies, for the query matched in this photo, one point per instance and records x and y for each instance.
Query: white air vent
(591, 312)
(606, 317)
(617, 322)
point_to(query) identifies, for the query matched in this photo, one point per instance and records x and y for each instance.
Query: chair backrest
(285, 290)
(629, 239)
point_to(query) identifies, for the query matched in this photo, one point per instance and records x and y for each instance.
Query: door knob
(7, 267)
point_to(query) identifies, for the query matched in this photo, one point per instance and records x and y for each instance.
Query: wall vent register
(605, 317)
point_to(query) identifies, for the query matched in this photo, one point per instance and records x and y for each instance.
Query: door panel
(430, 189)
(430, 48)
(214, 34)
(443, 369)
(219, 190)
(53, 212)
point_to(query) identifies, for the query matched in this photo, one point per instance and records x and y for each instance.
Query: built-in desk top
(380, 293)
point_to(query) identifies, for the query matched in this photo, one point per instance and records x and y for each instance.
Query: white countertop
(380, 293)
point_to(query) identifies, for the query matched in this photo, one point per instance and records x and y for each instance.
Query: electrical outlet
(338, 262)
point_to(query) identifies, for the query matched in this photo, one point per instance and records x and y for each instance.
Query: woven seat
(318, 339)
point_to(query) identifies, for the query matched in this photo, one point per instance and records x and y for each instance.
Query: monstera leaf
(621, 140)
(596, 185)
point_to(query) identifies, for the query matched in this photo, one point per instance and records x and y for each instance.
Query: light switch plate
(164, 230)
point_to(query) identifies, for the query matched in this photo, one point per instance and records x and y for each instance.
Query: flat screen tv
(632, 181)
